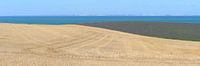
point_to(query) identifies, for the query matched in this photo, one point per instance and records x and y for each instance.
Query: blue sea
(93, 19)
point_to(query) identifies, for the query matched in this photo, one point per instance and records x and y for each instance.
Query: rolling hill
(79, 45)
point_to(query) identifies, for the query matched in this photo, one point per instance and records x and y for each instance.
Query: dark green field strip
(181, 31)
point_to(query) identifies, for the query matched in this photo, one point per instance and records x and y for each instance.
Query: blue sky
(98, 7)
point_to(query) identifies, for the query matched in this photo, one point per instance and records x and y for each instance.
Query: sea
(93, 19)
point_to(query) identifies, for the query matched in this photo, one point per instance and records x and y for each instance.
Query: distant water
(87, 19)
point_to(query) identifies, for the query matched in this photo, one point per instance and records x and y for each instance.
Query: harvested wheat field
(77, 45)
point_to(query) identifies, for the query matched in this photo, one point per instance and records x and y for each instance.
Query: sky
(99, 7)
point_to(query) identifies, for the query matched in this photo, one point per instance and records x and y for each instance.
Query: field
(79, 45)
(180, 31)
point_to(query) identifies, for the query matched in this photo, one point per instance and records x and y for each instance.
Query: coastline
(178, 31)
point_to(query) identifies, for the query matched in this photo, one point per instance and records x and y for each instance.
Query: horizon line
(90, 15)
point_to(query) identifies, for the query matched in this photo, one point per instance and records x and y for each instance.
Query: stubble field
(78, 45)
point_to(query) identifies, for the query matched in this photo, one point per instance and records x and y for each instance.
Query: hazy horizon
(100, 8)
